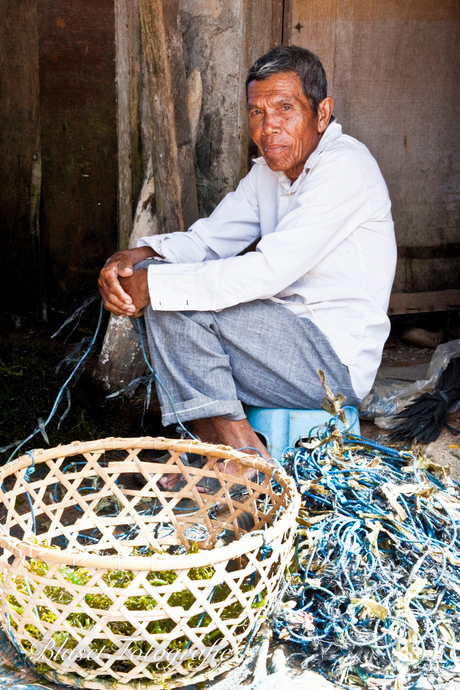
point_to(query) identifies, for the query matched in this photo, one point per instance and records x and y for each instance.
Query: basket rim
(158, 561)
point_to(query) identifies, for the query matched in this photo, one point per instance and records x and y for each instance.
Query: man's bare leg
(205, 430)
(239, 434)
(218, 430)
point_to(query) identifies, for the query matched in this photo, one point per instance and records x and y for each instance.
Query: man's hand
(123, 291)
(137, 288)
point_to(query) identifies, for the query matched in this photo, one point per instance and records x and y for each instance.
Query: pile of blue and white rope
(374, 584)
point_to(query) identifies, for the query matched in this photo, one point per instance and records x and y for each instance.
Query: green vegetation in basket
(121, 579)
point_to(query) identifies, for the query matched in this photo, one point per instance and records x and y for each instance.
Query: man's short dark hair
(293, 59)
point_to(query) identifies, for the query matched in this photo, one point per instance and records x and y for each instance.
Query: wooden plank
(288, 16)
(259, 34)
(175, 185)
(20, 181)
(79, 147)
(178, 91)
(137, 102)
(129, 93)
(277, 23)
(378, 58)
(313, 25)
(420, 302)
(123, 71)
(264, 27)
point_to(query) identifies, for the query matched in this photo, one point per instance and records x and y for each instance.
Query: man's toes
(169, 481)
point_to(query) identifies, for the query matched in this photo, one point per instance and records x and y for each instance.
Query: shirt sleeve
(331, 204)
(232, 227)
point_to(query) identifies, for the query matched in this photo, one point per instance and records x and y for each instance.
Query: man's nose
(271, 124)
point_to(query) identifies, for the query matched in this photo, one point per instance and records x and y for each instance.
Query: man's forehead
(278, 86)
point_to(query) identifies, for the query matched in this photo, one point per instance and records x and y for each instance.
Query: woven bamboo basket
(107, 583)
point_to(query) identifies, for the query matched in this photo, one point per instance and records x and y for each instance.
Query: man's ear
(325, 113)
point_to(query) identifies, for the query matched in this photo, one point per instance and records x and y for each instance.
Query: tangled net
(373, 588)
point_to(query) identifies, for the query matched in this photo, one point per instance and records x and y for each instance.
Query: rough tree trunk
(121, 359)
(222, 39)
(176, 198)
(174, 107)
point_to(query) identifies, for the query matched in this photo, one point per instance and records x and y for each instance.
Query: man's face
(282, 123)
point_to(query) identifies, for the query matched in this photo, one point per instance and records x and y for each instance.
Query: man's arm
(232, 227)
(125, 291)
(330, 207)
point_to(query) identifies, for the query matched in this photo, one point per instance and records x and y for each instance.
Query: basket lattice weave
(107, 583)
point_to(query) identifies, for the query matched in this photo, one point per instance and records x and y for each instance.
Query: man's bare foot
(217, 430)
(168, 482)
(234, 469)
(239, 435)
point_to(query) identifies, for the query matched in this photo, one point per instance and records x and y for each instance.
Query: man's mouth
(273, 148)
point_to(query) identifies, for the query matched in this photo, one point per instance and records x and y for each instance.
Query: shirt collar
(332, 132)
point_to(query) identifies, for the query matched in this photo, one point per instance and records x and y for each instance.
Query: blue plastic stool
(281, 428)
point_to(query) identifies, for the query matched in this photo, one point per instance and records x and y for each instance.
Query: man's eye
(287, 107)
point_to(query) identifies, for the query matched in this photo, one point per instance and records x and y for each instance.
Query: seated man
(226, 329)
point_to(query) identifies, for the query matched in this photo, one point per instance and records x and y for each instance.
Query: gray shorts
(258, 353)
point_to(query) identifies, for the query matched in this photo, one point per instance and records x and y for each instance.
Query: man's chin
(276, 164)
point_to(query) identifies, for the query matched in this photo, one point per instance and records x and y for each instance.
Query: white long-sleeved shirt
(327, 251)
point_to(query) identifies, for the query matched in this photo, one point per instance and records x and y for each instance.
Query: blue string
(62, 389)
(203, 614)
(251, 636)
(336, 560)
(29, 591)
(250, 448)
(30, 470)
(267, 547)
(354, 438)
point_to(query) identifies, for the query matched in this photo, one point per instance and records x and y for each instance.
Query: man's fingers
(119, 265)
(110, 285)
(116, 311)
(119, 309)
(114, 301)
(113, 292)
(123, 292)
(125, 271)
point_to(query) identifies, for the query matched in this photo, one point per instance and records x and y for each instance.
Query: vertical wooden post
(175, 185)
(123, 125)
(287, 22)
(171, 203)
(128, 76)
(277, 23)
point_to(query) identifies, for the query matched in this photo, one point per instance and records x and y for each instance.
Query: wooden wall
(19, 146)
(79, 145)
(393, 69)
(69, 180)
(57, 107)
